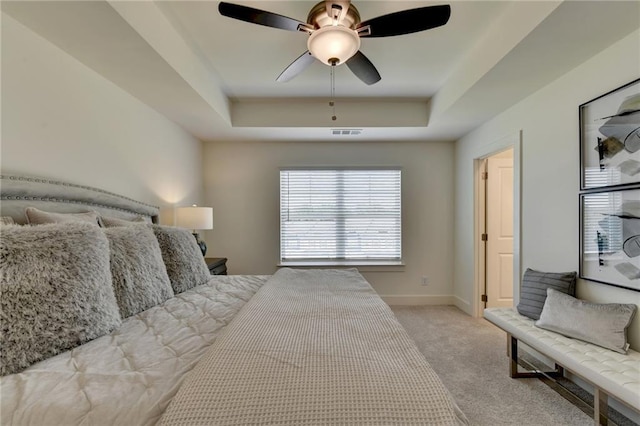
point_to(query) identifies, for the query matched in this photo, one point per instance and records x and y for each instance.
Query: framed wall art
(610, 237)
(610, 138)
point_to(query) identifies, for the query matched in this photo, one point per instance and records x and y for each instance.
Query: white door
(499, 249)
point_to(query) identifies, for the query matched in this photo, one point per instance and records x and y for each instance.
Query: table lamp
(196, 219)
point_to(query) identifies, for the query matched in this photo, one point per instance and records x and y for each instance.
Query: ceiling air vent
(346, 132)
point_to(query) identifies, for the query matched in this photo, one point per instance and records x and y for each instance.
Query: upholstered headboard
(19, 192)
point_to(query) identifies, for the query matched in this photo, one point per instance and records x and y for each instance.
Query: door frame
(511, 141)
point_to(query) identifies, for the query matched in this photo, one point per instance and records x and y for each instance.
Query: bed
(298, 347)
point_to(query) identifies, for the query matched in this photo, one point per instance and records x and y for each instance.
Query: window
(340, 215)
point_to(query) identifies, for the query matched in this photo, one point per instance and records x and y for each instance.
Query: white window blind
(602, 229)
(340, 215)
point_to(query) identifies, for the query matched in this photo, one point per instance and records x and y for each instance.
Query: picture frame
(610, 139)
(610, 237)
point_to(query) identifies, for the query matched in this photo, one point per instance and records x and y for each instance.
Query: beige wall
(550, 173)
(62, 120)
(242, 185)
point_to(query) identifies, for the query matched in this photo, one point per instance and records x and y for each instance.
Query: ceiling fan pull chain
(332, 102)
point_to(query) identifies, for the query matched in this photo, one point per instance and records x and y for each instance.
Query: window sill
(361, 265)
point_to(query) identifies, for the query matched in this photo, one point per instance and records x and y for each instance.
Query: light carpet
(469, 355)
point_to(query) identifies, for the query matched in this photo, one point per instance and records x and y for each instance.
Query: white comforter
(130, 376)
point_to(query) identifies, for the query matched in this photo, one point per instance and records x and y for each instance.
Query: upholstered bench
(611, 373)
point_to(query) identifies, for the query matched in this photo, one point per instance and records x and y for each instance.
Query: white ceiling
(216, 76)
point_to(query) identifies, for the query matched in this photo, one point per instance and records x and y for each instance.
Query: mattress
(130, 376)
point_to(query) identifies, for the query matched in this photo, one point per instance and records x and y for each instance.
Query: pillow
(39, 217)
(110, 222)
(182, 257)
(601, 324)
(534, 289)
(56, 291)
(6, 220)
(139, 276)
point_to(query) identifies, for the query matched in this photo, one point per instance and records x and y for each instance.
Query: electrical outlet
(425, 281)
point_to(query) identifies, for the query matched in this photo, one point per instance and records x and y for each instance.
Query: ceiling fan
(335, 29)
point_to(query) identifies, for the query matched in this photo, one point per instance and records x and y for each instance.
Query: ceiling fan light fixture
(333, 45)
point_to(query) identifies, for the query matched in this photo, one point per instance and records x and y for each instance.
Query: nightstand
(217, 265)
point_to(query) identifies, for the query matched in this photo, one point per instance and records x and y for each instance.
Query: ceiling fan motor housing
(318, 16)
(334, 40)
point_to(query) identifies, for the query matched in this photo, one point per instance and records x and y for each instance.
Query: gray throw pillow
(39, 217)
(603, 324)
(534, 289)
(56, 291)
(139, 276)
(182, 257)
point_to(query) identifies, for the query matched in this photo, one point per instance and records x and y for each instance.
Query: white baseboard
(416, 300)
(463, 305)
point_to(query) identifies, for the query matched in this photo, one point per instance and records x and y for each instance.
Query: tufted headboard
(19, 192)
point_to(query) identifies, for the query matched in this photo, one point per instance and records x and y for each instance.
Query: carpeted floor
(469, 355)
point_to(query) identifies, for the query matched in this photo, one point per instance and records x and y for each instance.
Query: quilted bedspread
(313, 347)
(127, 377)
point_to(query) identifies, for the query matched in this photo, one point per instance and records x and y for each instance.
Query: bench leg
(600, 397)
(600, 406)
(512, 351)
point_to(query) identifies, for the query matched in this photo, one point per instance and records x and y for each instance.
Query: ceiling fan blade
(296, 67)
(362, 67)
(407, 21)
(260, 17)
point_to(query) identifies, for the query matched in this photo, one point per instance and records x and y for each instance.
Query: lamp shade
(194, 217)
(333, 44)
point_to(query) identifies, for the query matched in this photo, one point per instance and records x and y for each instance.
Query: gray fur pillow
(110, 222)
(182, 257)
(56, 291)
(140, 278)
